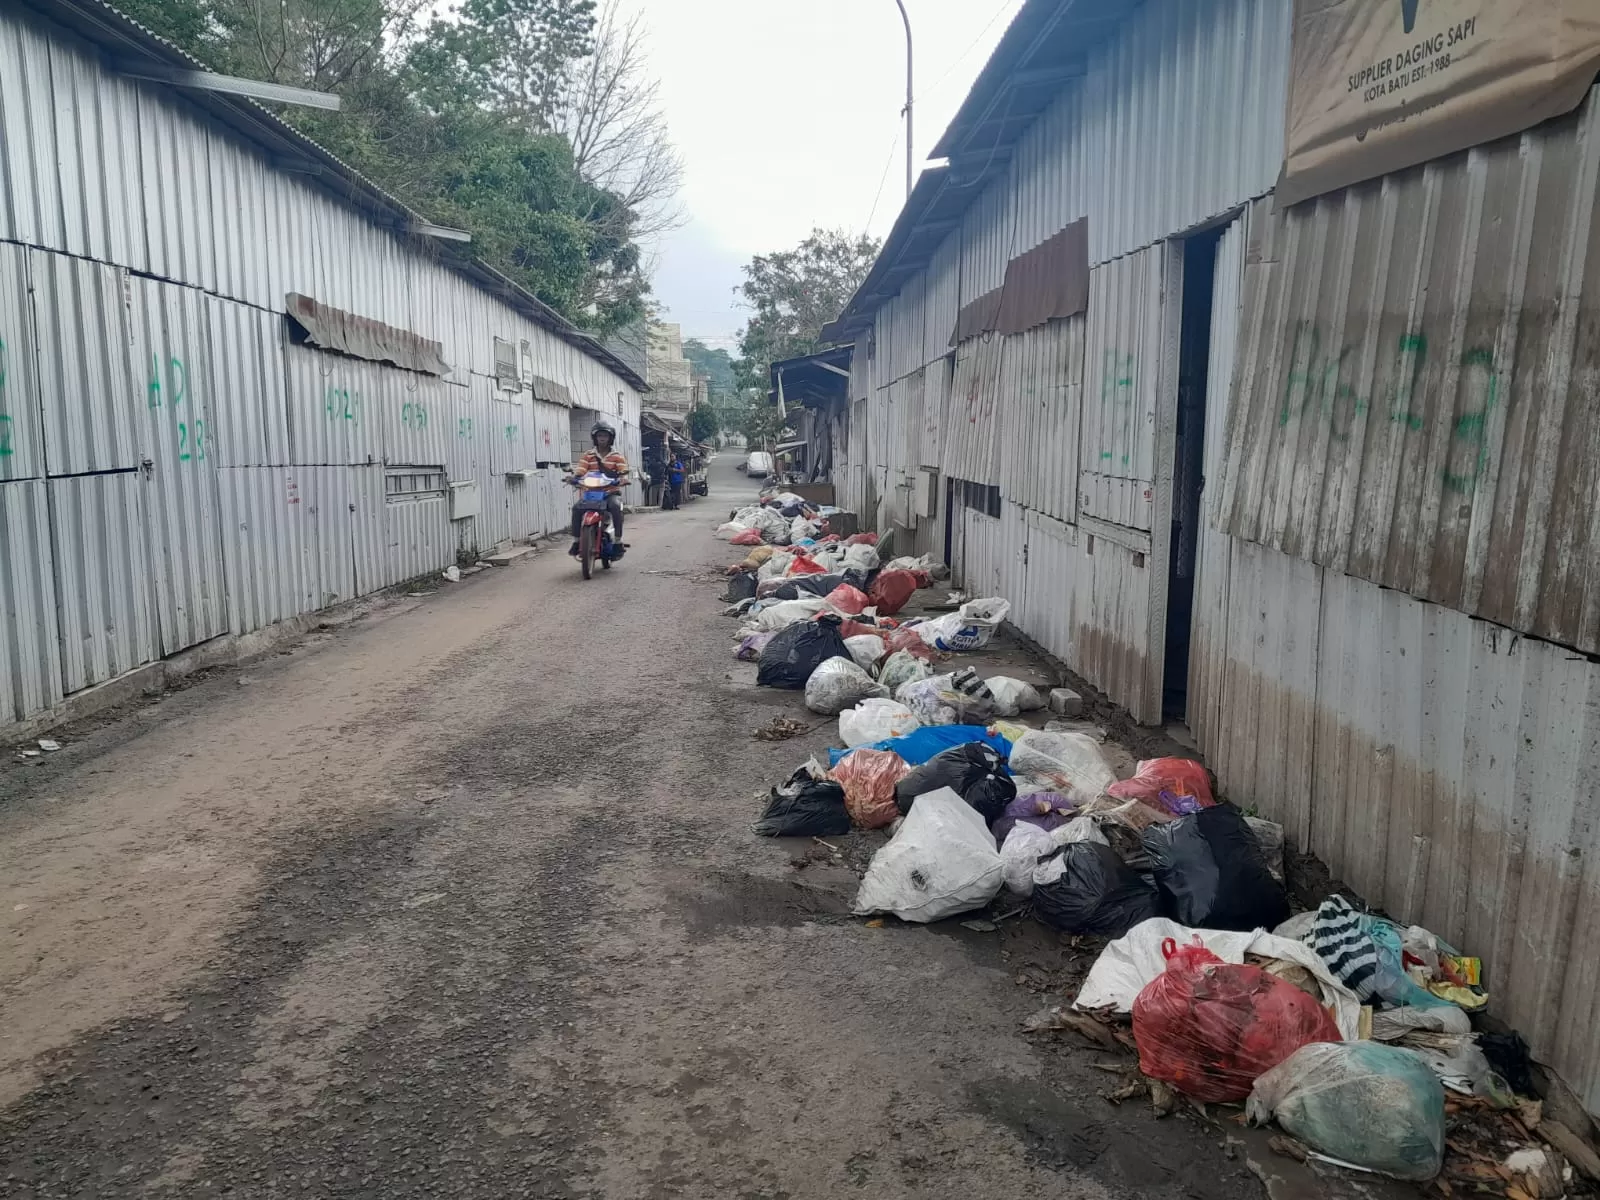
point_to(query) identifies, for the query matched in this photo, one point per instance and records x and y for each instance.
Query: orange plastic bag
(848, 600)
(868, 778)
(1176, 785)
(1211, 1028)
(909, 640)
(861, 539)
(891, 590)
(750, 537)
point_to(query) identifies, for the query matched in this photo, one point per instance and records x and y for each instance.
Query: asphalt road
(460, 899)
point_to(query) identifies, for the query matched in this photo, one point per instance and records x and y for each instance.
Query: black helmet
(602, 427)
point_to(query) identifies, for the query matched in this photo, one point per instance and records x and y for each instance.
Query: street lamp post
(904, 16)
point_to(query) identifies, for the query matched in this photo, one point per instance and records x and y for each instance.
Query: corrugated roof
(131, 44)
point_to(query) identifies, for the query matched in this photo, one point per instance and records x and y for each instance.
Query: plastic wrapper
(860, 557)
(804, 564)
(901, 668)
(1085, 888)
(741, 586)
(892, 591)
(747, 537)
(1020, 852)
(788, 660)
(779, 614)
(941, 861)
(918, 746)
(1072, 762)
(868, 778)
(1211, 1028)
(867, 650)
(970, 628)
(974, 771)
(838, 683)
(1212, 874)
(1368, 955)
(875, 720)
(805, 807)
(1178, 785)
(775, 566)
(1372, 1105)
(1013, 697)
(749, 649)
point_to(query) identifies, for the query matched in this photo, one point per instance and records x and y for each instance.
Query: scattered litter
(975, 771)
(1366, 953)
(780, 729)
(957, 699)
(1179, 785)
(980, 926)
(868, 778)
(1211, 1028)
(49, 745)
(1044, 810)
(1373, 1106)
(838, 683)
(453, 574)
(1071, 761)
(875, 720)
(941, 861)
(749, 648)
(804, 807)
(1212, 874)
(31, 754)
(1085, 888)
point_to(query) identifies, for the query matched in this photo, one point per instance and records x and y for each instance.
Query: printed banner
(1379, 85)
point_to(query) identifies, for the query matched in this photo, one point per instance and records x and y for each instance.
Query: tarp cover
(1380, 85)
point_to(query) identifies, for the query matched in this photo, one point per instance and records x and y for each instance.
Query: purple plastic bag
(750, 649)
(1047, 810)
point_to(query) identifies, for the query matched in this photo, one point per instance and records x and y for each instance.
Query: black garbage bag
(799, 649)
(815, 585)
(1095, 892)
(1212, 874)
(804, 807)
(741, 586)
(975, 771)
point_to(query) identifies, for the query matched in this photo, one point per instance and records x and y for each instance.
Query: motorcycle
(595, 538)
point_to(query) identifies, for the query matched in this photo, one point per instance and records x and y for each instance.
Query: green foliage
(459, 118)
(702, 423)
(794, 294)
(760, 423)
(715, 365)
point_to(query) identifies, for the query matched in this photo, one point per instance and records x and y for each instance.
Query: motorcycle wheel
(586, 550)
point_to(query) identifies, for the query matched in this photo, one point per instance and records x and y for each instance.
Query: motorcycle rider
(603, 457)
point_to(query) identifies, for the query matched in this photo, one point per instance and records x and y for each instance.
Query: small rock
(49, 744)
(1065, 702)
(979, 926)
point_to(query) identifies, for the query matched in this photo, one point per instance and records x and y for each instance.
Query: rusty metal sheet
(1415, 401)
(362, 337)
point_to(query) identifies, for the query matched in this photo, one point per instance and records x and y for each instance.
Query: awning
(790, 446)
(361, 337)
(551, 391)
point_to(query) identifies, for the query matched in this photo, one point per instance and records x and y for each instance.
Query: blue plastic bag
(922, 744)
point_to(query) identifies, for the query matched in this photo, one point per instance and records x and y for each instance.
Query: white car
(759, 463)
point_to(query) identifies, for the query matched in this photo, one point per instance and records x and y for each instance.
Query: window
(401, 484)
(526, 359)
(505, 366)
(979, 497)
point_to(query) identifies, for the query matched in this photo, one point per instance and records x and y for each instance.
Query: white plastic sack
(923, 563)
(1025, 845)
(860, 557)
(944, 700)
(787, 612)
(875, 720)
(969, 628)
(1012, 697)
(901, 668)
(775, 567)
(800, 529)
(867, 649)
(729, 529)
(1134, 959)
(837, 684)
(941, 861)
(1079, 829)
(1072, 762)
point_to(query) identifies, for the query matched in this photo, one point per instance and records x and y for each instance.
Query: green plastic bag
(1364, 1103)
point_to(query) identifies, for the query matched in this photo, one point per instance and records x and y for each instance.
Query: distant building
(668, 371)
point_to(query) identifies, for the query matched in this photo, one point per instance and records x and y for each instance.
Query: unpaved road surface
(461, 900)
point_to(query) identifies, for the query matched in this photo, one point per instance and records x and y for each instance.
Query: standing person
(675, 480)
(603, 457)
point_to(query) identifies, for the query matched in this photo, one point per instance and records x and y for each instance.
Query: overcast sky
(787, 114)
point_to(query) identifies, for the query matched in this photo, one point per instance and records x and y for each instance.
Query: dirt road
(460, 900)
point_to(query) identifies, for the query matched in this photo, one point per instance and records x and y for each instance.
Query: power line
(930, 87)
(882, 179)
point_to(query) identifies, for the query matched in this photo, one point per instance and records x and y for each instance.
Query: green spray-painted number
(5, 437)
(197, 452)
(464, 427)
(513, 432)
(177, 381)
(341, 404)
(414, 416)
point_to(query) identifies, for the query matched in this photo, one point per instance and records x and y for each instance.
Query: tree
(715, 365)
(794, 293)
(761, 423)
(702, 423)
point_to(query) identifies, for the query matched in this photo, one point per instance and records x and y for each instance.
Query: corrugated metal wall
(1042, 397)
(1417, 399)
(172, 468)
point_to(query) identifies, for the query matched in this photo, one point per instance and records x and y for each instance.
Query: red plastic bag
(1176, 785)
(750, 537)
(852, 629)
(868, 778)
(861, 539)
(847, 600)
(892, 589)
(909, 640)
(804, 564)
(1211, 1028)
